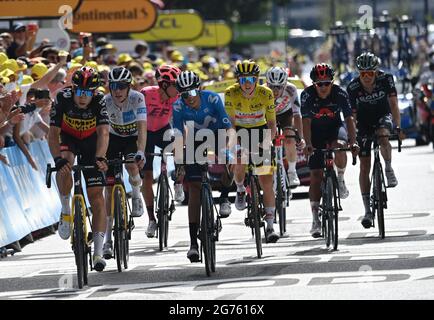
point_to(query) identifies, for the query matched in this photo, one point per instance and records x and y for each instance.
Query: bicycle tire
(125, 231)
(280, 199)
(255, 212)
(335, 213)
(161, 212)
(79, 245)
(327, 217)
(380, 200)
(118, 246)
(206, 231)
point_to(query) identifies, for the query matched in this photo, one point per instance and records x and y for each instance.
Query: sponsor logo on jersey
(375, 96)
(325, 113)
(128, 116)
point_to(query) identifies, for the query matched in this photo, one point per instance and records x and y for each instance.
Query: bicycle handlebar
(337, 150)
(74, 168)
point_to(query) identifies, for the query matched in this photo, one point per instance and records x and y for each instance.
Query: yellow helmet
(247, 68)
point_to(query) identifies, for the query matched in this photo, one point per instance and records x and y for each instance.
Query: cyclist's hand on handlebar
(301, 144)
(355, 149)
(400, 133)
(62, 165)
(140, 159)
(308, 149)
(101, 162)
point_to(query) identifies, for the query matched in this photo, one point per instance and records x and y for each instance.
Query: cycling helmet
(187, 80)
(247, 68)
(367, 61)
(322, 71)
(86, 78)
(120, 74)
(276, 76)
(167, 73)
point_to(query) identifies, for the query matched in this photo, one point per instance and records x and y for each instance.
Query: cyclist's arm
(306, 115)
(298, 124)
(393, 102)
(102, 141)
(142, 135)
(270, 114)
(179, 132)
(344, 102)
(53, 141)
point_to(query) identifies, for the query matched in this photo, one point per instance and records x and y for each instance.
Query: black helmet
(367, 61)
(187, 80)
(322, 71)
(86, 78)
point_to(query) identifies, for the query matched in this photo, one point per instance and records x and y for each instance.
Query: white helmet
(277, 76)
(120, 74)
(187, 80)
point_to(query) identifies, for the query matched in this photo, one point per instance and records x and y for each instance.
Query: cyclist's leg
(266, 182)
(147, 191)
(316, 166)
(64, 184)
(365, 169)
(340, 141)
(129, 151)
(286, 120)
(386, 127)
(193, 177)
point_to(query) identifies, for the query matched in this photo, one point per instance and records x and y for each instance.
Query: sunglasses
(81, 92)
(118, 85)
(369, 73)
(190, 93)
(243, 80)
(275, 87)
(323, 83)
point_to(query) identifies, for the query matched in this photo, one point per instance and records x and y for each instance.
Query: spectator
(23, 40)
(51, 54)
(141, 51)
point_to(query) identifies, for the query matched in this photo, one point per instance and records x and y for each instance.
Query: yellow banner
(173, 26)
(215, 34)
(114, 16)
(35, 9)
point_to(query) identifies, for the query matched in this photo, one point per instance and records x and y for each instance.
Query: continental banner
(215, 34)
(31, 9)
(113, 16)
(174, 26)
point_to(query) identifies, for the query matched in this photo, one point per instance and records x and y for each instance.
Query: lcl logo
(167, 23)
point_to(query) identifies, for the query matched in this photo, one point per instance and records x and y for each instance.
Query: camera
(42, 94)
(27, 108)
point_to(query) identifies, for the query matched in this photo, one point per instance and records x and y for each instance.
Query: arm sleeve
(56, 113)
(390, 86)
(305, 105)
(102, 117)
(269, 102)
(178, 122)
(352, 98)
(344, 103)
(229, 103)
(296, 102)
(141, 108)
(223, 116)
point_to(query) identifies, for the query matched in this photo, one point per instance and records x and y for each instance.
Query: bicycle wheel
(327, 211)
(79, 245)
(335, 214)
(163, 211)
(125, 231)
(207, 236)
(119, 245)
(378, 176)
(256, 216)
(280, 201)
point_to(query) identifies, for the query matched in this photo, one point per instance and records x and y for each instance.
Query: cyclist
(202, 110)
(251, 107)
(373, 97)
(127, 115)
(321, 105)
(80, 124)
(159, 104)
(287, 110)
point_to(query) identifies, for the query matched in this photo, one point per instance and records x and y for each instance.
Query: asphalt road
(296, 267)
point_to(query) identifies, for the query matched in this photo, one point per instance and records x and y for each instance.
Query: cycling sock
(269, 217)
(98, 240)
(224, 193)
(341, 172)
(388, 165)
(136, 183)
(240, 187)
(314, 205)
(66, 208)
(150, 210)
(366, 202)
(108, 232)
(193, 233)
(291, 166)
